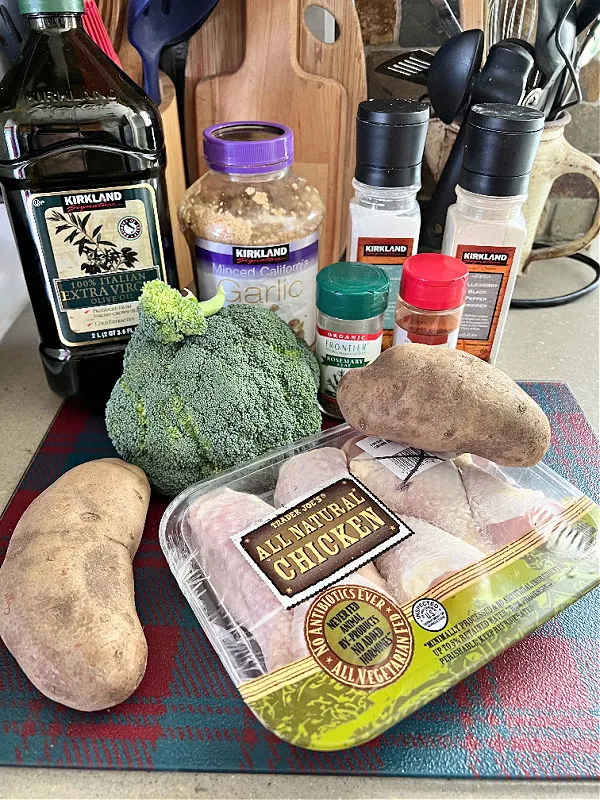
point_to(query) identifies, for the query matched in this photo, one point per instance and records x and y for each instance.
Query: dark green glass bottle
(82, 170)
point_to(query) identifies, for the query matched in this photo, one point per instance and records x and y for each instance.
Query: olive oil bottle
(82, 161)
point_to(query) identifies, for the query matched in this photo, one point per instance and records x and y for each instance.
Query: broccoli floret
(206, 387)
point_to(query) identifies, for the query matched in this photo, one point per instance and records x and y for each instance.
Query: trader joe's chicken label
(98, 247)
(309, 546)
(281, 277)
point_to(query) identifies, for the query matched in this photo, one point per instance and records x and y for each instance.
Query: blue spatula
(154, 24)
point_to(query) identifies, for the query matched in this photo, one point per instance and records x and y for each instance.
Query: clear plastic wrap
(431, 568)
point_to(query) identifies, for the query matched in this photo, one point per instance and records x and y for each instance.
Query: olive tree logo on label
(359, 636)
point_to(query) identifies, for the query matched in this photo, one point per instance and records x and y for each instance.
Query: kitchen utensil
(502, 79)
(566, 42)
(473, 14)
(556, 157)
(95, 29)
(508, 19)
(344, 62)
(554, 45)
(588, 49)
(447, 17)
(175, 177)
(547, 58)
(587, 12)
(271, 85)
(154, 24)
(412, 66)
(114, 16)
(452, 71)
(13, 30)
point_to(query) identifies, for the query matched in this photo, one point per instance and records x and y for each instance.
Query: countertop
(544, 344)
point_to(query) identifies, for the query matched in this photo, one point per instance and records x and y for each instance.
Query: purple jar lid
(248, 147)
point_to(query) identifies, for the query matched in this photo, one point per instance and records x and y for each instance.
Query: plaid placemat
(533, 712)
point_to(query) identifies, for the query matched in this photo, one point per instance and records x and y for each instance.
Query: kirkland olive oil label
(489, 271)
(281, 277)
(98, 248)
(309, 546)
(389, 254)
(359, 636)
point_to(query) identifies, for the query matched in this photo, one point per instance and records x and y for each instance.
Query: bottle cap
(248, 147)
(51, 6)
(390, 139)
(350, 290)
(500, 148)
(433, 282)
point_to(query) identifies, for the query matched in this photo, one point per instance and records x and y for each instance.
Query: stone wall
(391, 27)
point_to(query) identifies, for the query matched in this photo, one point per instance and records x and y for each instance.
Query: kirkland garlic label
(281, 277)
(329, 534)
(98, 248)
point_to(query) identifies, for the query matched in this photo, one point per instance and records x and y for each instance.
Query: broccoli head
(206, 387)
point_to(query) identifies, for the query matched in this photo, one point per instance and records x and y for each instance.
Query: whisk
(511, 19)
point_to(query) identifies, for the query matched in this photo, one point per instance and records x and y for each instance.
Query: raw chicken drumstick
(424, 559)
(503, 511)
(437, 496)
(214, 518)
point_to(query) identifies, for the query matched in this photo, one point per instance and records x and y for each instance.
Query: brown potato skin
(67, 610)
(445, 401)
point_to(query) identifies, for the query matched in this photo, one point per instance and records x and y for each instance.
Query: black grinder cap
(390, 139)
(500, 147)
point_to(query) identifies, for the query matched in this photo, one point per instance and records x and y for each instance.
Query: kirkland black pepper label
(98, 248)
(489, 272)
(309, 546)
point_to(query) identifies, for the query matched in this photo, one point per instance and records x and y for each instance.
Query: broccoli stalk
(168, 317)
(206, 387)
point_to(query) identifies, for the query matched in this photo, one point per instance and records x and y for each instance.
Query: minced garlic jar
(255, 224)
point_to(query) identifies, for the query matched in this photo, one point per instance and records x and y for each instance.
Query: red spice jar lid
(433, 282)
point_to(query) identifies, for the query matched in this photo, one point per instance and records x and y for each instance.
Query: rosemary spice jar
(431, 300)
(255, 224)
(351, 302)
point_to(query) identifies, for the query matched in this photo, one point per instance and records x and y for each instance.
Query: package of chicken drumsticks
(345, 581)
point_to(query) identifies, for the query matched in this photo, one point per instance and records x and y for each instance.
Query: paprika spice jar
(431, 300)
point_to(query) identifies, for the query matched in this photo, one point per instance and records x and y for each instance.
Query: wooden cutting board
(270, 85)
(343, 61)
(216, 49)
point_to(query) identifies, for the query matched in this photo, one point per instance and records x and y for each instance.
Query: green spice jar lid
(51, 6)
(350, 290)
